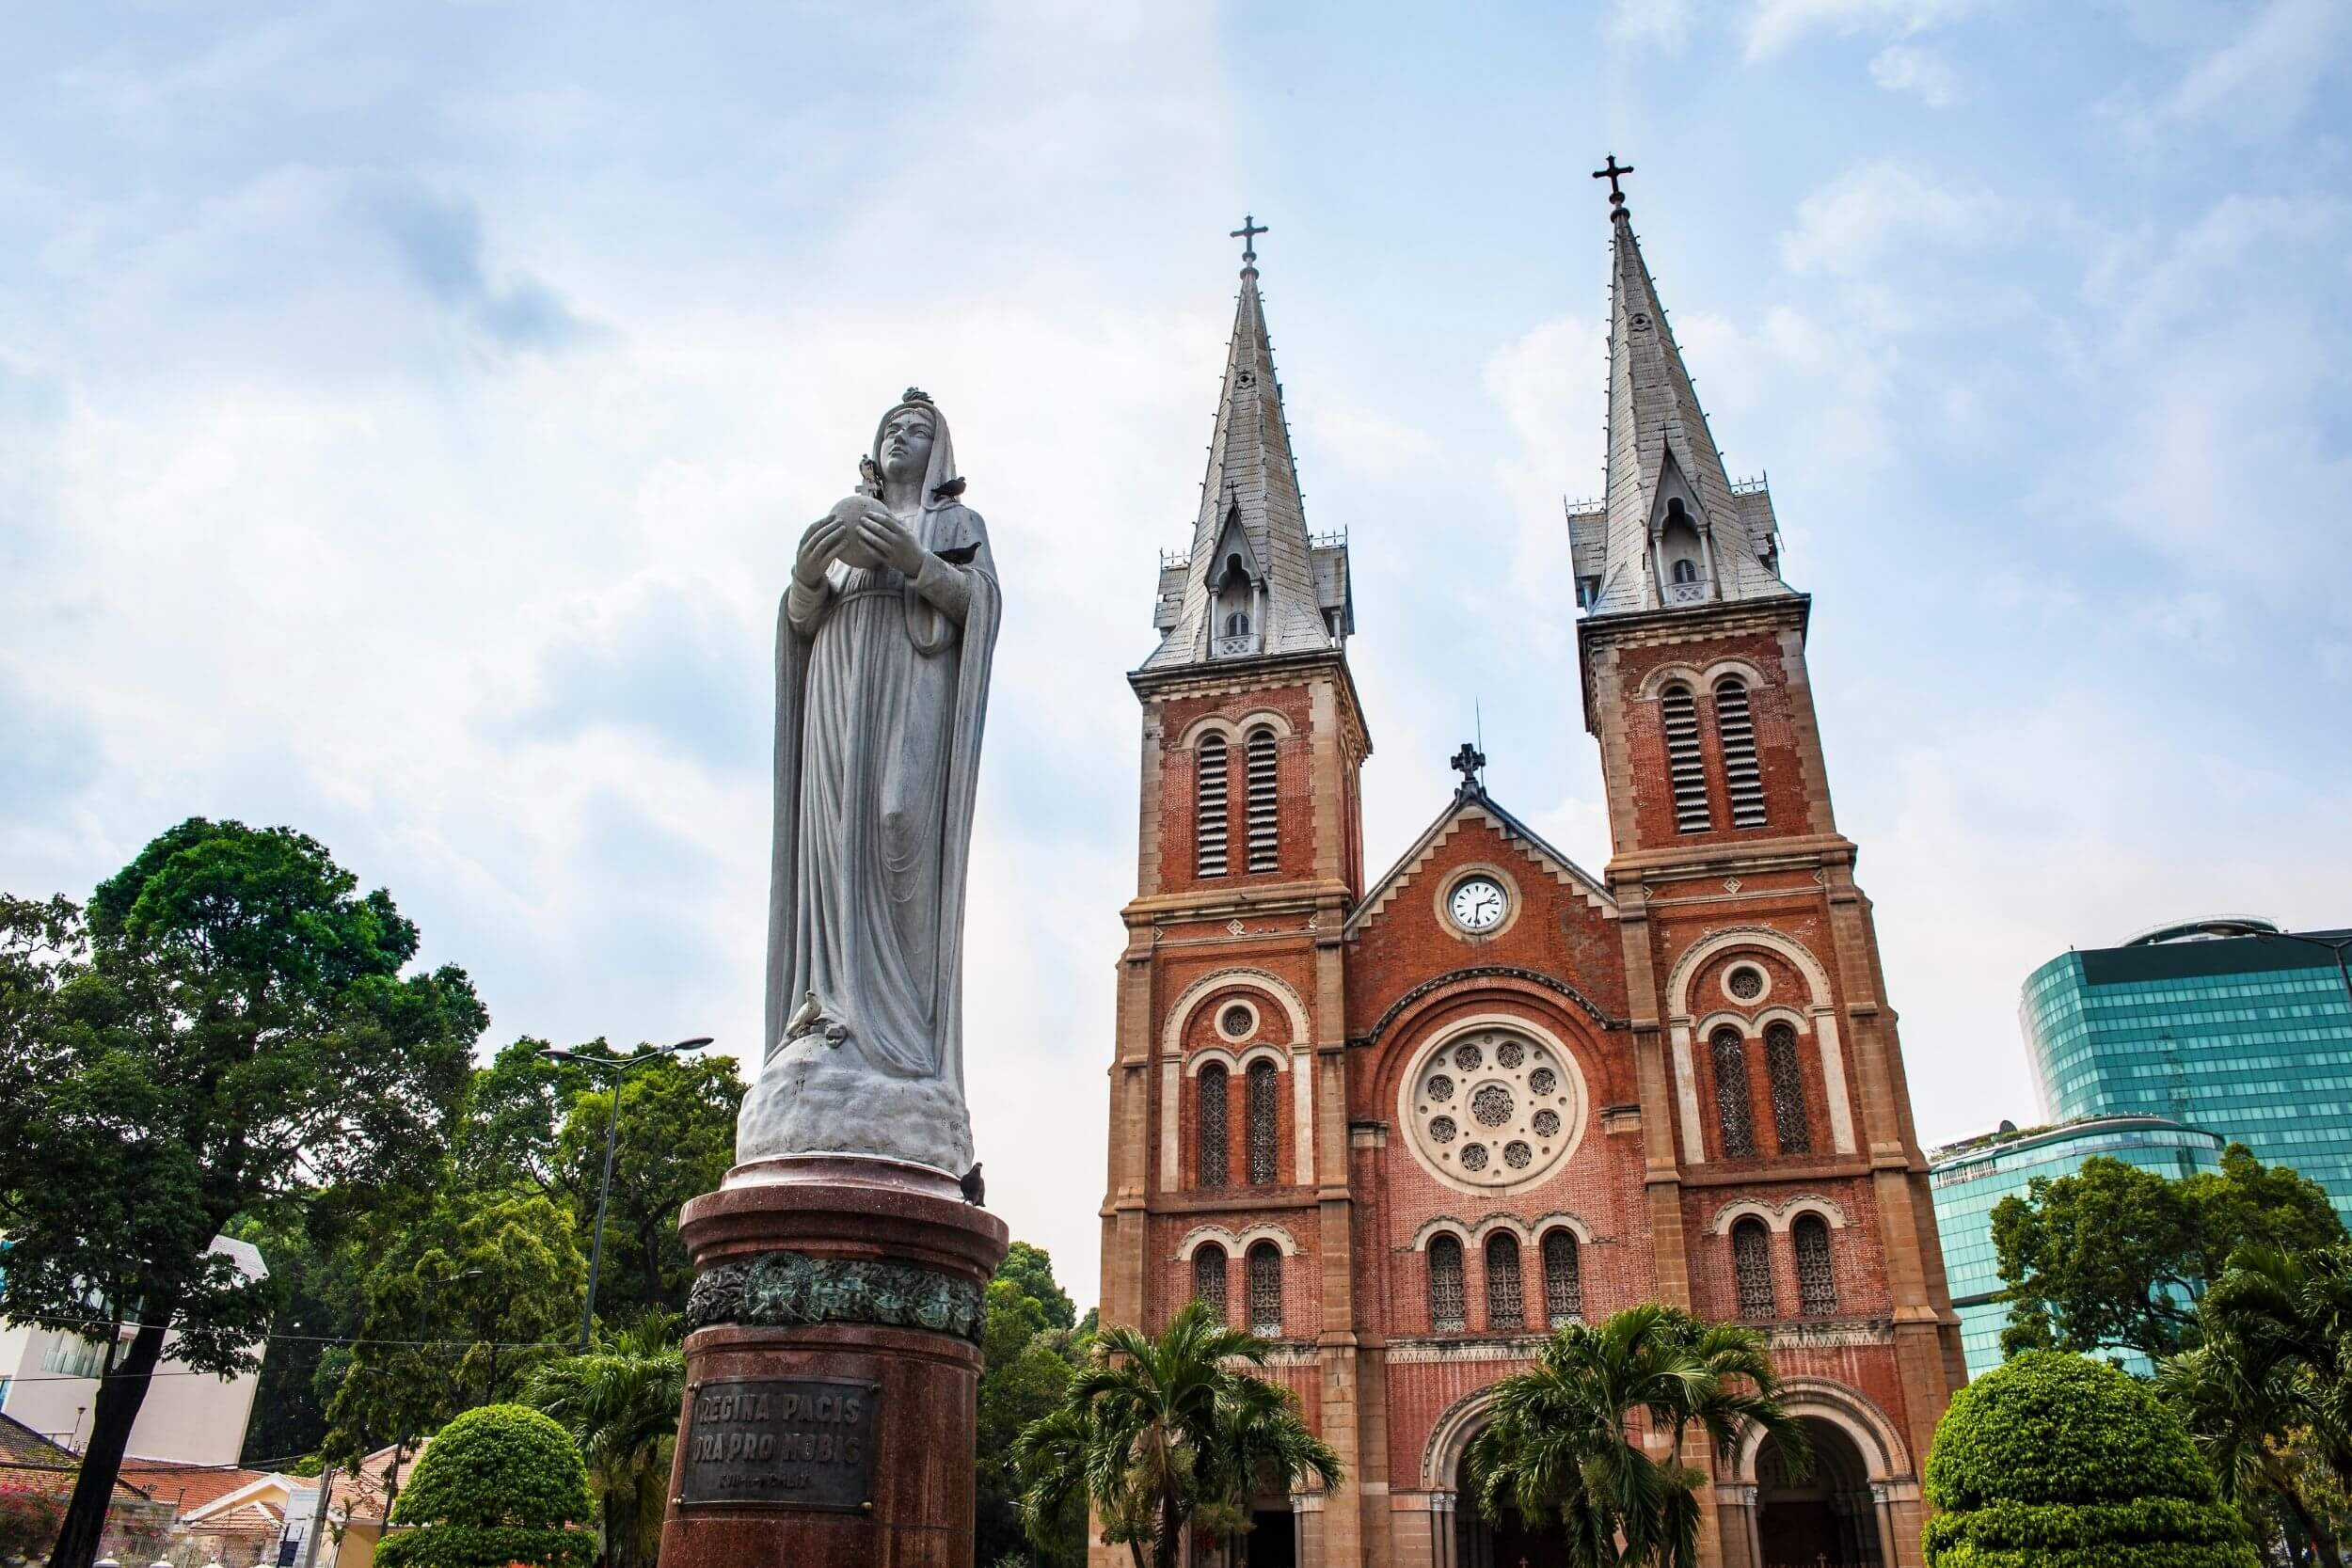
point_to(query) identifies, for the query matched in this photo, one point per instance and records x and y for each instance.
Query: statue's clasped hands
(858, 531)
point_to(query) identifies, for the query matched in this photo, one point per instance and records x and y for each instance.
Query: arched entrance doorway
(1508, 1543)
(1827, 1520)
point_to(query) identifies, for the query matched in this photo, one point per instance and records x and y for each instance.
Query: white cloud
(2258, 83)
(1773, 25)
(1852, 225)
(1909, 68)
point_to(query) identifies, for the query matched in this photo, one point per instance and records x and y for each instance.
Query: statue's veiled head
(912, 445)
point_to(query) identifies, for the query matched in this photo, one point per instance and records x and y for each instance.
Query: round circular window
(1237, 1020)
(1745, 983)
(1492, 1107)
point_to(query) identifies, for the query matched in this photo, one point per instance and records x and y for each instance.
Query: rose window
(1498, 1109)
(1745, 983)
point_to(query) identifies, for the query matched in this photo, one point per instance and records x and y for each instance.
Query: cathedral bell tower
(1228, 1167)
(1766, 1047)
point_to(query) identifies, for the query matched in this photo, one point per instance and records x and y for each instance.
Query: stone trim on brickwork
(1293, 1007)
(1875, 1437)
(1485, 972)
(1777, 1219)
(1236, 1243)
(1233, 730)
(1237, 1062)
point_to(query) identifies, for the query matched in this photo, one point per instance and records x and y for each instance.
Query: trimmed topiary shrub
(498, 1485)
(2055, 1461)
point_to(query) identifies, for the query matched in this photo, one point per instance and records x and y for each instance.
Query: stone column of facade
(832, 1368)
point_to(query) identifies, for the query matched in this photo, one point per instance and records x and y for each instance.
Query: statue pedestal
(832, 1367)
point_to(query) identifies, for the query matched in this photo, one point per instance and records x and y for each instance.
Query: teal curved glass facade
(2247, 1037)
(1968, 1179)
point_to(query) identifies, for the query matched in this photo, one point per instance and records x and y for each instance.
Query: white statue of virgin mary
(883, 651)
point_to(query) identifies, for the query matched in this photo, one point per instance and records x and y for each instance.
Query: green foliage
(2113, 1256)
(677, 1141)
(227, 1033)
(1561, 1441)
(1031, 1268)
(1159, 1434)
(620, 1403)
(2053, 1460)
(1032, 1353)
(496, 1485)
(477, 1277)
(2268, 1394)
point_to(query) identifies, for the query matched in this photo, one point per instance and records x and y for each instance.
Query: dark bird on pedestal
(975, 1190)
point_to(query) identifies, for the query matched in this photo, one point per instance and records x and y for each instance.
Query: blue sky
(407, 415)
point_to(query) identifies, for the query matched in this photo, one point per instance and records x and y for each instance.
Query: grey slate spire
(1672, 529)
(1255, 583)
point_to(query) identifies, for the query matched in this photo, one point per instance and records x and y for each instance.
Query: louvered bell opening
(1210, 809)
(1685, 772)
(1264, 848)
(1744, 780)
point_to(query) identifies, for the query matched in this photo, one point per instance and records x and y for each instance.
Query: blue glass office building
(1969, 1178)
(2249, 1036)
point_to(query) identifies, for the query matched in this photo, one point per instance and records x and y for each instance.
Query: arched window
(1564, 1280)
(1208, 1278)
(1265, 817)
(1731, 1094)
(1446, 1309)
(1209, 807)
(1794, 1129)
(1685, 772)
(1817, 1282)
(1736, 733)
(1264, 1126)
(1751, 1266)
(1237, 623)
(1506, 1303)
(1266, 1291)
(1208, 1126)
(1686, 570)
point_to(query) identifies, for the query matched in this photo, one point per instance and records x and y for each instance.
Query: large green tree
(676, 1139)
(1564, 1439)
(1153, 1430)
(231, 1029)
(477, 1293)
(2114, 1256)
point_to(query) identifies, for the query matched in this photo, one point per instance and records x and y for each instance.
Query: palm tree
(2243, 1416)
(1562, 1441)
(1157, 1427)
(1258, 1434)
(620, 1403)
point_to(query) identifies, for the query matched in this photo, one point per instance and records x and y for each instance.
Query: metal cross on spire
(1248, 235)
(1612, 173)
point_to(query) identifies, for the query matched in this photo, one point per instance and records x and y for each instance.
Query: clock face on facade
(1478, 904)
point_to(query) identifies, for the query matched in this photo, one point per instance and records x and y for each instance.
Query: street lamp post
(620, 1069)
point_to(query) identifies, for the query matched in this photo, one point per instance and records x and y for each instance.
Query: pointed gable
(1298, 599)
(1473, 806)
(1663, 467)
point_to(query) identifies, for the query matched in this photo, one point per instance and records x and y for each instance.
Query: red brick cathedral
(1403, 1123)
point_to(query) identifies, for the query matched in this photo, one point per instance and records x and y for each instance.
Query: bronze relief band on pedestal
(784, 1289)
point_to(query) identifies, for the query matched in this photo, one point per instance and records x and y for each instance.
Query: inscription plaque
(782, 1441)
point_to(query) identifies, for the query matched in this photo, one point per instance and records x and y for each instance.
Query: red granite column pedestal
(833, 1373)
